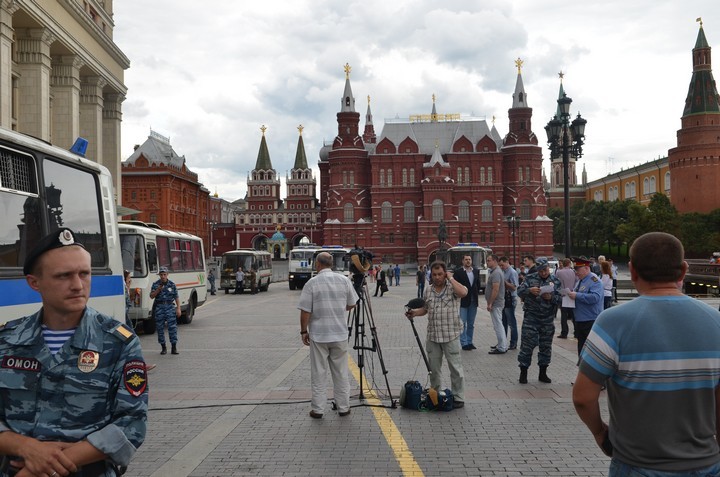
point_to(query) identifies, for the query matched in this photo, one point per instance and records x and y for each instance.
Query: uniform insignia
(21, 363)
(595, 279)
(66, 238)
(124, 332)
(135, 377)
(88, 361)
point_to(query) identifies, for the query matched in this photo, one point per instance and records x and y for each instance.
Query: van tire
(187, 317)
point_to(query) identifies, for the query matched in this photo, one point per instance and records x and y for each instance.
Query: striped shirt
(661, 357)
(56, 339)
(326, 297)
(443, 311)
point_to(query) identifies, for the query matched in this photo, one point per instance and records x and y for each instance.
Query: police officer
(540, 293)
(167, 309)
(588, 296)
(74, 380)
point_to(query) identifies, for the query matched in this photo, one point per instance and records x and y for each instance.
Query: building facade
(158, 183)
(391, 196)
(62, 76)
(264, 221)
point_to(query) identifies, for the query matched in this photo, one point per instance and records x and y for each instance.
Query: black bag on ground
(410, 395)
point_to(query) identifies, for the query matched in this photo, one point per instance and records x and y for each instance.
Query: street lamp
(513, 222)
(312, 228)
(565, 138)
(212, 243)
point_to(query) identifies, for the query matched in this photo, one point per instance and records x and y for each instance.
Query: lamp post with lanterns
(565, 138)
(513, 222)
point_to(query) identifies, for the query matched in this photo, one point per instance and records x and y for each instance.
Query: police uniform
(538, 326)
(94, 388)
(165, 310)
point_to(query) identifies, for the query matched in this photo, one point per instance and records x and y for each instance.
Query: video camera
(360, 260)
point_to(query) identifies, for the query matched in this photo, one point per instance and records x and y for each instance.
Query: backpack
(411, 395)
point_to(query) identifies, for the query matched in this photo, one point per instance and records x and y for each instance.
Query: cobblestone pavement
(235, 402)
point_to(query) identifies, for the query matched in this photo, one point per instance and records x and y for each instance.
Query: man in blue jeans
(469, 277)
(511, 284)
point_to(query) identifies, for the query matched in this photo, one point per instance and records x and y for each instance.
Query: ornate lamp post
(212, 243)
(565, 138)
(513, 222)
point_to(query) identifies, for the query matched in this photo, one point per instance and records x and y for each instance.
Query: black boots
(543, 377)
(175, 351)
(164, 349)
(523, 375)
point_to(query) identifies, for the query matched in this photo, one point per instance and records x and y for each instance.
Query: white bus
(248, 259)
(479, 258)
(43, 188)
(146, 248)
(300, 265)
(341, 259)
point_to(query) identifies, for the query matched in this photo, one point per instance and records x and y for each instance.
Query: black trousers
(582, 330)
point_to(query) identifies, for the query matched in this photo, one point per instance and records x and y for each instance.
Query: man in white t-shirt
(324, 301)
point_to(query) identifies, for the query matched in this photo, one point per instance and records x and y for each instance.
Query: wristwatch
(303, 332)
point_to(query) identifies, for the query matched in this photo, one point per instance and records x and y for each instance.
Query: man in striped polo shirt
(660, 357)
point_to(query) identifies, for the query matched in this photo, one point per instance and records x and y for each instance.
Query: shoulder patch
(595, 279)
(123, 332)
(135, 377)
(10, 324)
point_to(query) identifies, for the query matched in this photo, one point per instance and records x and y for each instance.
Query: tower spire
(300, 157)
(369, 133)
(702, 94)
(347, 104)
(263, 159)
(519, 96)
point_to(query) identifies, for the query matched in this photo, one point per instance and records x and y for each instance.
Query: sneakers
(343, 414)
(458, 404)
(496, 351)
(466, 347)
(315, 415)
(563, 337)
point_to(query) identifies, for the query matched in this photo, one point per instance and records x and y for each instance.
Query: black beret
(62, 237)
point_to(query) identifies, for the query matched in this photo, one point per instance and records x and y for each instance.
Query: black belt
(96, 469)
(164, 302)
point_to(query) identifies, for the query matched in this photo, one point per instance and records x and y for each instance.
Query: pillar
(112, 118)
(7, 8)
(91, 116)
(34, 66)
(65, 83)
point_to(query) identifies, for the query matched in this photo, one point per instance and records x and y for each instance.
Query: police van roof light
(80, 146)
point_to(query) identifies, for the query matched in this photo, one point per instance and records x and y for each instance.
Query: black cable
(264, 403)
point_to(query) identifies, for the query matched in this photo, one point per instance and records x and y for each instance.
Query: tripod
(358, 317)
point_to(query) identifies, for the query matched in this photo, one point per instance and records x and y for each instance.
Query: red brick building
(390, 196)
(157, 182)
(695, 162)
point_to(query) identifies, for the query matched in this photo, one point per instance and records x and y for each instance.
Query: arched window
(404, 177)
(345, 181)
(527, 174)
(459, 175)
(389, 177)
(525, 209)
(412, 176)
(437, 210)
(409, 212)
(348, 213)
(646, 186)
(386, 212)
(490, 179)
(464, 211)
(520, 176)
(598, 196)
(633, 190)
(627, 190)
(467, 176)
(486, 211)
(667, 181)
(382, 177)
(653, 186)
(482, 176)
(352, 178)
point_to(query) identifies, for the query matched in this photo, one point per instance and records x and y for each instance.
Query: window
(404, 177)
(486, 211)
(386, 212)
(525, 209)
(464, 211)
(490, 178)
(527, 174)
(345, 179)
(459, 175)
(520, 176)
(653, 186)
(389, 177)
(467, 176)
(352, 179)
(667, 181)
(482, 176)
(409, 213)
(437, 210)
(412, 177)
(646, 186)
(382, 178)
(348, 213)
(598, 196)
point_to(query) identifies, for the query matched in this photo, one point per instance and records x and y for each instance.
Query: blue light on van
(80, 146)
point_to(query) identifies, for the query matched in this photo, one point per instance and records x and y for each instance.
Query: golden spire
(561, 75)
(263, 129)
(348, 69)
(699, 19)
(368, 100)
(493, 120)
(300, 128)
(434, 98)
(519, 64)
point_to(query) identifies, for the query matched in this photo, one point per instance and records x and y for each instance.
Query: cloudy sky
(208, 75)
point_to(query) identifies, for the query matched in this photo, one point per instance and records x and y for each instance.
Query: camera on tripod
(360, 260)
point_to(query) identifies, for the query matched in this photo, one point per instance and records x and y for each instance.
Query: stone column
(65, 84)
(112, 117)
(34, 65)
(7, 8)
(91, 116)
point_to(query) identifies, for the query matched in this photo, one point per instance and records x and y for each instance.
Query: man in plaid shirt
(442, 304)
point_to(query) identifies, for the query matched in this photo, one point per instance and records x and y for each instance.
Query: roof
(157, 149)
(442, 133)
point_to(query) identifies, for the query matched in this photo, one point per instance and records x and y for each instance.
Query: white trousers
(333, 355)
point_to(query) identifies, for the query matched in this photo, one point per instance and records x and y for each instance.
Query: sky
(208, 75)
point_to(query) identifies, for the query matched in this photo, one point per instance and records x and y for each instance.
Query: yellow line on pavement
(392, 434)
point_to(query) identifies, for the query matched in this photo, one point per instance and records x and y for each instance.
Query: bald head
(323, 260)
